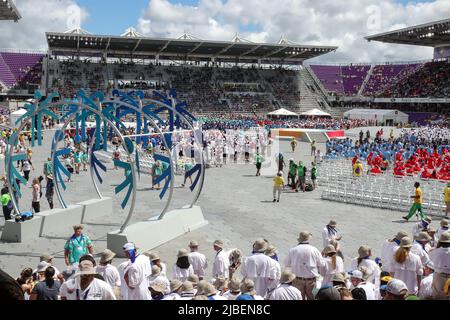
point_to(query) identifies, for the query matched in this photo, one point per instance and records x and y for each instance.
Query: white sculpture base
(96, 209)
(59, 222)
(152, 233)
(22, 231)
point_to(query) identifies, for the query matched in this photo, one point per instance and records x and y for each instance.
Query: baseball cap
(129, 246)
(356, 274)
(396, 287)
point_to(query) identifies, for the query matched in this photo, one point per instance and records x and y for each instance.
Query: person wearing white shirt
(441, 260)
(420, 226)
(221, 261)
(330, 232)
(248, 291)
(388, 250)
(175, 290)
(285, 291)
(260, 268)
(160, 279)
(156, 260)
(363, 260)
(211, 292)
(187, 291)
(198, 260)
(182, 269)
(420, 246)
(443, 228)
(305, 262)
(84, 286)
(358, 279)
(426, 285)
(272, 252)
(136, 274)
(123, 290)
(334, 264)
(233, 289)
(407, 266)
(108, 271)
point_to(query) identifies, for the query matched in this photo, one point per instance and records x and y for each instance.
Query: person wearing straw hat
(198, 260)
(272, 253)
(84, 286)
(260, 268)
(363, 260)
(407, 266)
(175, 290)
(334, 264)
(158, 289)
(441, 260)
(388, 250)
(426, 285)
(233, 289)
(182, 269)
(285, 290)
(221, 262)
(444, 227)
(193, 278)
(187, 291)
(306, 273)
(421, 241)
(211, 292)
(49, 259)
(221, 284)
(248, 291)
(330, 232)
(157, 277)
(108, 271)
(136, 274)
(156, 260)
(77, 246)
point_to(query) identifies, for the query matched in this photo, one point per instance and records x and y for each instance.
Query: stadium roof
(431, 34)
(132, 44)
(8, 11)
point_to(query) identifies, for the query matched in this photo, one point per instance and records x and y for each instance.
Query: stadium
(114, 127)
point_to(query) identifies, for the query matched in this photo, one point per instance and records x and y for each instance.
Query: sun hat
(406, 243)
(187, 287)
(86, 267)
(329, 249)
(193, 243)
(445, 237)
(182, 253)
(209, 290)
(201, 286)
(364, 251)
(271, 251)
(260, 245)
(400, 235)
(248, 287)
(194, 279)
(396, 287)
(218, 243)
(42, 266)
(106, 256)
(287, 276)
(156, 271)
(77, 226)
(423, 236)
(158, 286)
(220, 282)
(153, 256)
(444, 223)
(46, 257)
(304, 236)
(234, 285)
(332, 223)
(339, 277)
(175, 285)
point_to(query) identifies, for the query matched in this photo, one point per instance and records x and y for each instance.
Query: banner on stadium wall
(411, 100)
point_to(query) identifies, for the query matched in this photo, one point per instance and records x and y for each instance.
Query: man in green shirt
(292, 173)
(187, 167)
(314, 175)
(259, 160)
(6, 203)
(301, 172)
(77, 246)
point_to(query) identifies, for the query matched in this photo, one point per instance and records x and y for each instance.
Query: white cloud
(39, 17)
(343, 23)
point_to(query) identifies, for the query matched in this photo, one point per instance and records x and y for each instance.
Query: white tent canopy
(282, 112)
(14, 116)
(388, 117)
(315, 113)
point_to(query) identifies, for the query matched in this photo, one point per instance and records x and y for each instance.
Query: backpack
(309, 187)
(10, 205)
(357, 170)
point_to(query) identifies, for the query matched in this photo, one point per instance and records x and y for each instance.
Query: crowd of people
(412, 266)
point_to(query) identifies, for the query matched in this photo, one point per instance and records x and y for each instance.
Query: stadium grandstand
(8, 11)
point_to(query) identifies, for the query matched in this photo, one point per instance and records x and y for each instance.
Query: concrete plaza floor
(237, 204)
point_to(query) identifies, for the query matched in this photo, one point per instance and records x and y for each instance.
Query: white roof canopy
(316, 113)
(282, 112)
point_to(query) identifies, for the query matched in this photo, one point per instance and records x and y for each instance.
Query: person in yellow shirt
(417, 205)
(357, 169)
(278, 185)
(293, 144)
(447, 199)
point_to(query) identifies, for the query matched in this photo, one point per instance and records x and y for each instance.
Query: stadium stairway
(310, 99)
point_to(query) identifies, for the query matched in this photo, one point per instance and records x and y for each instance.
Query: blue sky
(113, 17)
